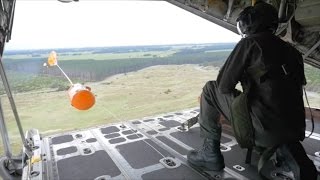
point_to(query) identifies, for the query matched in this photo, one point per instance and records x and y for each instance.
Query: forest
(26, 71)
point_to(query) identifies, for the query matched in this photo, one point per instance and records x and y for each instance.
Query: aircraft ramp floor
(148, 148)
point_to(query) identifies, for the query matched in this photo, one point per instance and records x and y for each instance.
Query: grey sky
(52, 24)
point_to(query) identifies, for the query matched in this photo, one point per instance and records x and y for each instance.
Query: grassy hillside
(147, 92)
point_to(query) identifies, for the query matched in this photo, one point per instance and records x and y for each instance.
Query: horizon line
(178, 44)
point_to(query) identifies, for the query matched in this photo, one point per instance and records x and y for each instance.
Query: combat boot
(209, 156)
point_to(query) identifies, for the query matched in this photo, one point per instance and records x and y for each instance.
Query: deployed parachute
(80, 96)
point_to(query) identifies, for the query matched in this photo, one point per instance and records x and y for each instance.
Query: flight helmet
(258, 18)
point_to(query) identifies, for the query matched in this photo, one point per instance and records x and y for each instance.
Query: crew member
(275, 96)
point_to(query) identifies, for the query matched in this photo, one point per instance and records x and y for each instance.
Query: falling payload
(80, 96)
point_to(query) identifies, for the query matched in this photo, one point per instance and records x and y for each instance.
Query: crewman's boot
(209, 156)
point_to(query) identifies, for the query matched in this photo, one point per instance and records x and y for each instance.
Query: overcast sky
(52, 24)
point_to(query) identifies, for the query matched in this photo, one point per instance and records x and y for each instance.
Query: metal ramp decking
(134, 149)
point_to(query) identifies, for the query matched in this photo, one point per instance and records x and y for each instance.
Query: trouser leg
(301, 162)
(307, 168)
(212, 105)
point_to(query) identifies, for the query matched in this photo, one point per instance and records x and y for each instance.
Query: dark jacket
(274, 71)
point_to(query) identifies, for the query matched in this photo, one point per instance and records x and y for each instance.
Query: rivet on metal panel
(238, 168)
(34, 174)
(78, 136)
(224, 148)
(35, 147)
(87, 151)
(169, 162)
(181, 128)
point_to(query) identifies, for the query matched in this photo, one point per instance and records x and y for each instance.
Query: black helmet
(258, 18)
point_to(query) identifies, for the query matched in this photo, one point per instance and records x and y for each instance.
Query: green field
(148, 92)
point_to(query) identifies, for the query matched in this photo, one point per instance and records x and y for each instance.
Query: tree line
(91, 70)
(97, 70)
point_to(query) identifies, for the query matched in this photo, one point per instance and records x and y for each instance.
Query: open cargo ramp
(148, 148)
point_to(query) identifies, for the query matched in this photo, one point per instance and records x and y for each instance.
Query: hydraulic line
(11, 100)
(4, 135)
